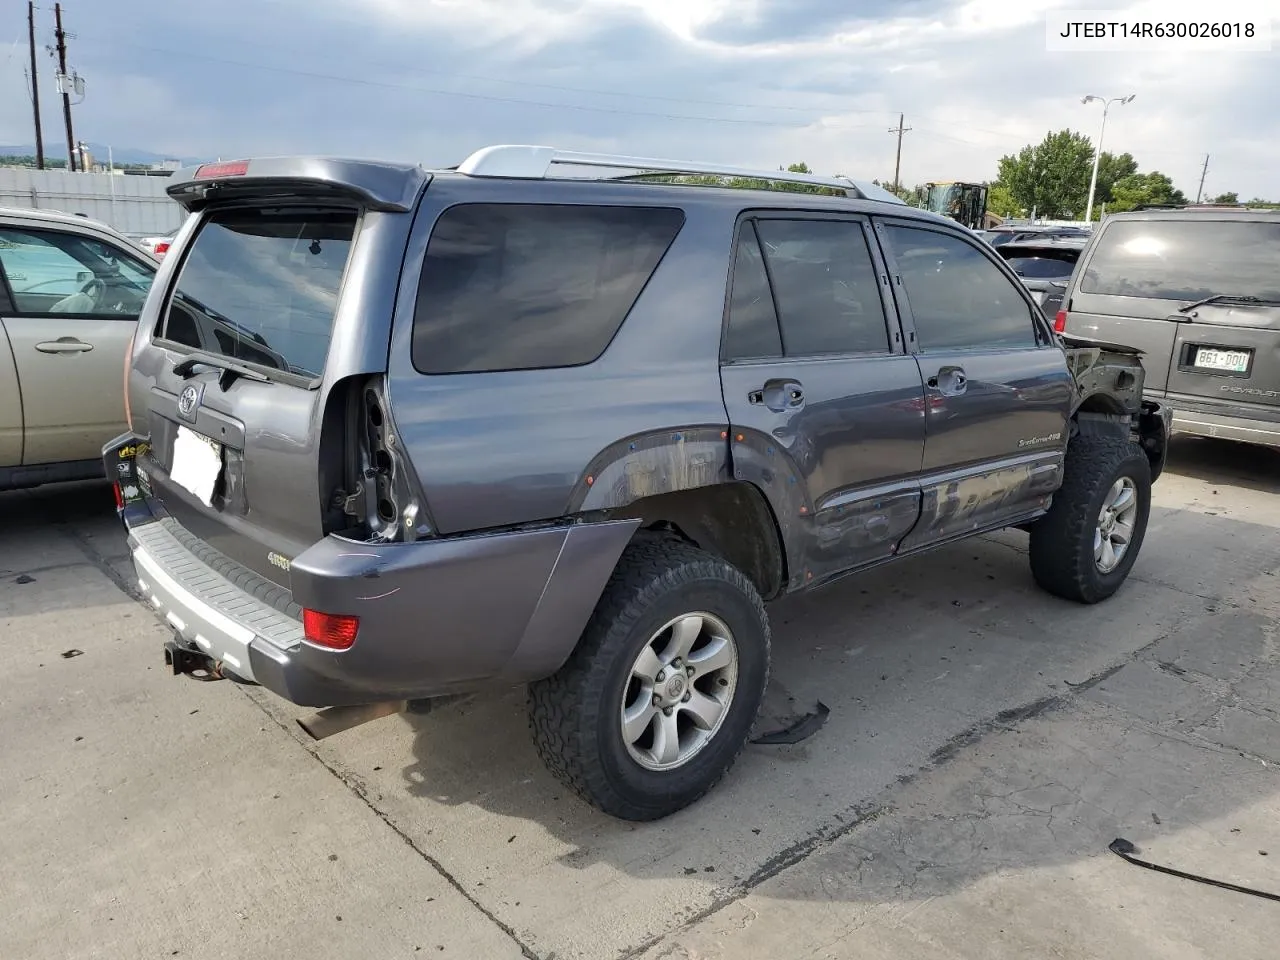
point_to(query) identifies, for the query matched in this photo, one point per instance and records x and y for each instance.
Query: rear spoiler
(381, 186)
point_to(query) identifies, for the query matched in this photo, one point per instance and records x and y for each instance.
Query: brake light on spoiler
(234, 168)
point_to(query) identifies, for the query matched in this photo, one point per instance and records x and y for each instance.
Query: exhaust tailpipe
(325, 723)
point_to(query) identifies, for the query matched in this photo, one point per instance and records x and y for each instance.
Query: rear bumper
(1227, 428)
(1225, 421)
(436, 616)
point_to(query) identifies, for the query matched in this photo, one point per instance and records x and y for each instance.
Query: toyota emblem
(188, 400)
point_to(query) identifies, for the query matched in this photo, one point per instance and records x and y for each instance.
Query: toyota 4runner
(398, 434)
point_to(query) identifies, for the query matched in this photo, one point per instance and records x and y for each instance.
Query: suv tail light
(1060, 322)
(332, 631)
(161, 249)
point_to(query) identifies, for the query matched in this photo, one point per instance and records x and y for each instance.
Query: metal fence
(131, 204)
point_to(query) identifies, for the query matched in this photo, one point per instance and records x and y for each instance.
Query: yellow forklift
(966, 203)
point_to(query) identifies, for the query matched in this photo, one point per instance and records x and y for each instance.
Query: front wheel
(1085, 546)
(657, 701)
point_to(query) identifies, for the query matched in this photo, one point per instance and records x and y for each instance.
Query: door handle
(64, 345)
(778, 395)
(949, 381)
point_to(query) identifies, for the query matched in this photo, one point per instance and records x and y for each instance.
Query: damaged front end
(1109, 380)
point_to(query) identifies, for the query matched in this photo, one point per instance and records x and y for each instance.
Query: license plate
(197, 464)
(1231, 361)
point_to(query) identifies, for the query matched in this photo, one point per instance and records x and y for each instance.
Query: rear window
(261, 286)
(1048, 267)
(532, 286)
(1185, 260)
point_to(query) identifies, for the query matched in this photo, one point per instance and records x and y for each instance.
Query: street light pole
(1097, 150)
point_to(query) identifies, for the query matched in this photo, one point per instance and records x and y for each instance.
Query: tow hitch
(193, 663)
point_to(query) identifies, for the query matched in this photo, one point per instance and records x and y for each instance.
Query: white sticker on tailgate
(197, 463)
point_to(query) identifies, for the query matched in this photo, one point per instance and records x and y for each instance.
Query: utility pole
(35, 82)
(62, 73)
(897, 163)
(1203, 171)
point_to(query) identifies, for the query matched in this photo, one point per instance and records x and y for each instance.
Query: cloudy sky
(750, 82)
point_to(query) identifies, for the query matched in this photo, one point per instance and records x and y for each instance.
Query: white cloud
(758, 82)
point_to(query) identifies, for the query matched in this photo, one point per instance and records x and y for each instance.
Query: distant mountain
(58, 149)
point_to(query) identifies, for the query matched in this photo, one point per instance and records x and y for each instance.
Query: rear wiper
(230, 369)
(1225, 298)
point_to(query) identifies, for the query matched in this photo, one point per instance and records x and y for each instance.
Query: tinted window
(525, 286)
(1185, 260)
(753, 324)
(958, 297)
(825, 285)
(261, 286)
(52, 272)
(1040, 268)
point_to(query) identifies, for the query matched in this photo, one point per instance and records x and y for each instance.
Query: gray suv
(400, 434)
(1198, 291)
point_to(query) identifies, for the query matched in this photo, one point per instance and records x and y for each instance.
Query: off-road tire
(574, 714)
(1062, 540)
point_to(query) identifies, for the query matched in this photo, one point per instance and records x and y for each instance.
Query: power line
(416, 88)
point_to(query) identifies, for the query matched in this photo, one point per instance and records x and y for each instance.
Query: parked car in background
(1015, 233)
(1044, 265)
(157, 246)
(70, 293)
(1198, 291)
(632, 411)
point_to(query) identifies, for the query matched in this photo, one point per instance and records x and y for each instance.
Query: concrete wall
(130, 204)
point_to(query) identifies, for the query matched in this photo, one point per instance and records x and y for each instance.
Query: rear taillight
(235, 168)
(115, 487)
(332, 631)
(161, 249)
(1060, 322)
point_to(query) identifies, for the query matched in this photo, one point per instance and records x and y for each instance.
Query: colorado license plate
(1231, 361)
(197, 464)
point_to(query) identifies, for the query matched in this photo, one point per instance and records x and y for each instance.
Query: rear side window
(532, 286)
(1185, 260)
(261, 286)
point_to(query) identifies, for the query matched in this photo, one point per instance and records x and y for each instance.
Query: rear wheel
(1085, 546)
(657, 700)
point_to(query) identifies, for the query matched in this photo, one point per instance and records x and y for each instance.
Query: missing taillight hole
(386, 511)
(375, 414)
(382, 461)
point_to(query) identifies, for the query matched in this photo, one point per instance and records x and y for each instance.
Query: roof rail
(535, 163)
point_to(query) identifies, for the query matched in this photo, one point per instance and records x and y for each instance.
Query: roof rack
(528, 162)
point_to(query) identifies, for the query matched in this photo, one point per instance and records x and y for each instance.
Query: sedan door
(75, 301)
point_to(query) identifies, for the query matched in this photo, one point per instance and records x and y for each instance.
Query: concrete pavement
(985, 743)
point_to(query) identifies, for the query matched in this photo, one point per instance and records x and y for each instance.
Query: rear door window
(825, 285)
(1185, 260)
(532, 286)
(261, 286)
(753, 323)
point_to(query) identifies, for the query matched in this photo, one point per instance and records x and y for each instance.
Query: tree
(1110, 169)
(1051, 177)
(1144, 188)
(1227, 198)
(1000, 201)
